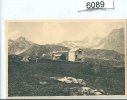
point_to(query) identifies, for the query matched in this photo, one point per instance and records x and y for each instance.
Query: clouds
(54, 31)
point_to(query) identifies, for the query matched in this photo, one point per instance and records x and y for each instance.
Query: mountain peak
(21, 38)
(115, 40)
(19, 45)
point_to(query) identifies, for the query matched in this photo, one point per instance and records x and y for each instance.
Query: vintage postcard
(66, 58)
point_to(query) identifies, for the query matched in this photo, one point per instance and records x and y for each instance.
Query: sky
(55, 31)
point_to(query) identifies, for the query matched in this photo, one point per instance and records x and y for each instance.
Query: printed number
(102, 4)
(88, 5)
(97, 4)
(93, 4)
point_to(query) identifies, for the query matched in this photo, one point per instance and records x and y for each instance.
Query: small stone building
(63, 55)
(76, 55)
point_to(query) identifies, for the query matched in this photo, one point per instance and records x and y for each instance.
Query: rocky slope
(18, 46)
(103, 54)
(115, 41)
(43, 50)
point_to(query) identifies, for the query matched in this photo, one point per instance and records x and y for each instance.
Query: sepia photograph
(65, 57)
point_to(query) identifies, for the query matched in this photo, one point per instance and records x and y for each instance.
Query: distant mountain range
(109, 48)
(23, 48)
(114, 41)
(95, 43)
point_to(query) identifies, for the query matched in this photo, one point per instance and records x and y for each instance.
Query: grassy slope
(24, 78)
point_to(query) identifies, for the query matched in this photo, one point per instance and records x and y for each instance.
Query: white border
(49, 9)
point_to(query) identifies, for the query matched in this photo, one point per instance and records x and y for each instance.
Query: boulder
(97, 93)
(43, 83)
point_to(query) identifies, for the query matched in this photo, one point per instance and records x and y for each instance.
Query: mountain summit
(115, 41)
(20, 39)
(18, 46)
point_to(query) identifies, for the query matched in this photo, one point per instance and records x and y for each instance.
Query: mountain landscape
(26, 48)
(110, 48)
(101, 73)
